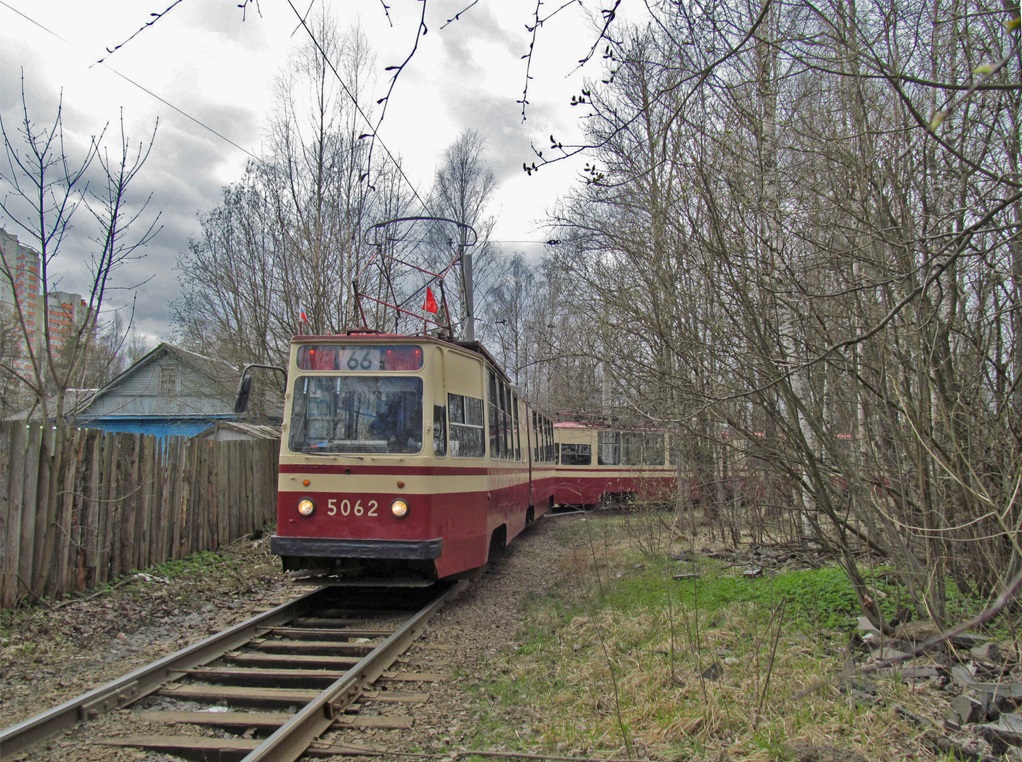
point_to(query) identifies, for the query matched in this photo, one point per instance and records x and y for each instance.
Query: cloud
(200, 58)
(480, 30)
(206, 61)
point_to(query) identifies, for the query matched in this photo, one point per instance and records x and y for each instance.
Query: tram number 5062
(345, 507)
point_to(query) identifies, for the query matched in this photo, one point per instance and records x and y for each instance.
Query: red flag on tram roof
(430, 305)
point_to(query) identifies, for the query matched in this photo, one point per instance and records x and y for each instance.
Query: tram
(404, 459)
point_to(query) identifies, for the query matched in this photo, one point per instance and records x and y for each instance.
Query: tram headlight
(399, 508)
(306, 507)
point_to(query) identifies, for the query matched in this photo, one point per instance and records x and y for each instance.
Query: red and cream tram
(404, 458)
(598, 464)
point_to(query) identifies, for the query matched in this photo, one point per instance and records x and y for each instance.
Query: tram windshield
(356, 414)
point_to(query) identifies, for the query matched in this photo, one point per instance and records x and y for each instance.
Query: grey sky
(202, 58)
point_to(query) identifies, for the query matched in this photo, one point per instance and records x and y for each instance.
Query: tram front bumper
(314, 547)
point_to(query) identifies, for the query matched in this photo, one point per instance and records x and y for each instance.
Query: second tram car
(404, 459)
(598, 464)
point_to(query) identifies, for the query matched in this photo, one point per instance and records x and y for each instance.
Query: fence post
(122, 502)
(12, 482)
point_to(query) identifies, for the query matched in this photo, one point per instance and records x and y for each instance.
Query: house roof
(256, 430)
(74, 401)
(211, 402)
(216, 370)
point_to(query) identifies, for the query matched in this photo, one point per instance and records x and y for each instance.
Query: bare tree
(106, 358)
(286, 240)
(462, 189)
(12, 391)
(45, 189)
(507, 309)
(825, 281)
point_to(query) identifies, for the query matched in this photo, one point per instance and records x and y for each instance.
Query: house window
(168, 381)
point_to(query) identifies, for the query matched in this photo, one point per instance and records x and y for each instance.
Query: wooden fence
(123, 502)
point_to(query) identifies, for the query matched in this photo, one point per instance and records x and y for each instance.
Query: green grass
(623, 660)
(639, 620)
(186, 567)
(813, 599)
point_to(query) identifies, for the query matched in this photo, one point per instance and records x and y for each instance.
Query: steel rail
(145, 680)
(292, 739)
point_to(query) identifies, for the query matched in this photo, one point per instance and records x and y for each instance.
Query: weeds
(186, 567)
(624, 656)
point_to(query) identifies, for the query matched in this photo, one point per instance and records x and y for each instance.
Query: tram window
(474, 411)
(504, 441)
(653, 450)
(515, 427)
(502, 431)
(576, 455)
(509, 424)
(540, 449)
(467, 436)
(317, 358)
(365, 414)
(631, 449)
(402, 358)
(610, 448)
(512, 427)
(494, 416)
(439, 431)
(502, 427)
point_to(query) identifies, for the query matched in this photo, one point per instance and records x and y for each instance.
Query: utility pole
(466, 269)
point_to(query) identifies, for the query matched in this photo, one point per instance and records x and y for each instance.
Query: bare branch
(155, 17)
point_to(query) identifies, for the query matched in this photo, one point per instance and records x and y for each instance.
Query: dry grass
(651, 678)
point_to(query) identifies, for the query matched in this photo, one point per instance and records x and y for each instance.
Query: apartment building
(20, 264)
(66, 312)
(21, 284)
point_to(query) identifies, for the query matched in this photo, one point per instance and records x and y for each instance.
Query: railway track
(264, 689)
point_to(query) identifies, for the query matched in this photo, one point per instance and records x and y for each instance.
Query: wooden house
(169, 392)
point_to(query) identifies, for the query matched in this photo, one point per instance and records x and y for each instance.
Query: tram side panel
(471, 410)
(597, 463)
(542, 463)
(507, 448)
(462, 482)
(576, 483)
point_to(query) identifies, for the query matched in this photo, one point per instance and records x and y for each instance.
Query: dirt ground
(53, 653)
